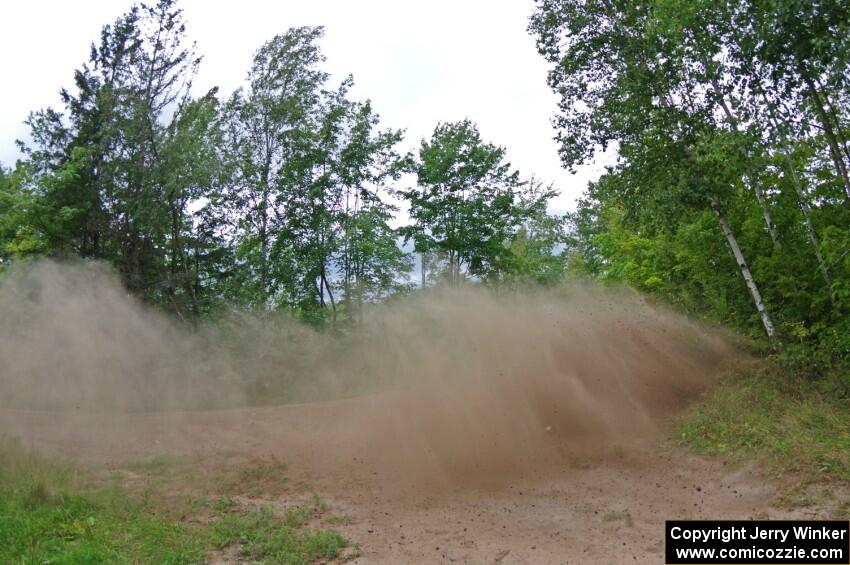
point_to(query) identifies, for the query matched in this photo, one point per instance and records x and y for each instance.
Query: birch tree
(622, 80)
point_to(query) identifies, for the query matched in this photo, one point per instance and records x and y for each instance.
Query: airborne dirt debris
(456, 427)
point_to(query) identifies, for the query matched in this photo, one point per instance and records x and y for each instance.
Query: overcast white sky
(420, 62)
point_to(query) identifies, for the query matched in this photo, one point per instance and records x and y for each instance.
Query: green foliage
(821, 354)
(730, 194)
(48, 514)
(794, 422)
(472, 210)
(264, 537)
(280, 196)
(112, 176)
(45, 517)
(308, 170)
(19, 239)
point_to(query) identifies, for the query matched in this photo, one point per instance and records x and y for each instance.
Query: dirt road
(411, 496)
(606, 513)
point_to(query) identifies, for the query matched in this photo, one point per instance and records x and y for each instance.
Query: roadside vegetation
(56, 513)
(798, 423)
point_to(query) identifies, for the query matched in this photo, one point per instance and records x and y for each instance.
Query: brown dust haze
(444, 383)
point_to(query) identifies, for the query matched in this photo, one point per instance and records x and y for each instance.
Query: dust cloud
(443, 383)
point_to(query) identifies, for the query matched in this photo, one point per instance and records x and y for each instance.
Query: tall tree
(119, 166)
(369, 257)
(623, 79)
(308, 166)
(467, 205)
(264, 129)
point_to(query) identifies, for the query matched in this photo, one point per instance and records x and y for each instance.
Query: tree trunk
(736, 252)
(745, 270)
(839, 132)
(834, 148)
(324, 284)
(330, 293)
(424, 272)
(765, 211)
(264, 225)
(807, 216)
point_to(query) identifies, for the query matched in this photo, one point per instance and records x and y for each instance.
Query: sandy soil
(411, 503)
(611, 512)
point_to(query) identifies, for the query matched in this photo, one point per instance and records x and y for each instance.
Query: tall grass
(795, 422)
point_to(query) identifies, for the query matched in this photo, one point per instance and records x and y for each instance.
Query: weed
(262, 535)
(613, 516)
(795, 423)
(48, 513)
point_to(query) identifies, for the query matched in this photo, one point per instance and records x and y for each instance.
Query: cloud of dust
(72, 338)
(451, 381)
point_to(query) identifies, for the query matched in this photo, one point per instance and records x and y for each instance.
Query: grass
(223, 474)
(262, 535)
(798, 424)
(54, 513)
(613, 516)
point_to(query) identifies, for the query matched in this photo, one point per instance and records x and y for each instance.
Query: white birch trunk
(736, 253)
(765, 211)
(810, 228)
(745, 270)
(804, 205)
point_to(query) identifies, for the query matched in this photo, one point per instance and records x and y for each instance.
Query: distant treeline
(731, 193)
(730, 196)
(278, 196)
